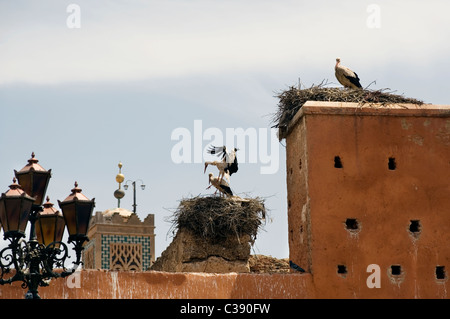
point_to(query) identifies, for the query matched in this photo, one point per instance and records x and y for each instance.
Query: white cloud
(133, 40)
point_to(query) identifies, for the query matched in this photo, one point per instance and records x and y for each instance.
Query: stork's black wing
(232, 167)
(230, 158)
(354, 80)
(226, 189)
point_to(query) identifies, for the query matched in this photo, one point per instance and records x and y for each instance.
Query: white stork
(221, 166)
(346, 77)
(229, 158)
(221, 185)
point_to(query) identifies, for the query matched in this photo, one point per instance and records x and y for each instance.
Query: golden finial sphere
(120, 178)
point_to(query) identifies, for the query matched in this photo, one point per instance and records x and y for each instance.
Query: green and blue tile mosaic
(127, 239)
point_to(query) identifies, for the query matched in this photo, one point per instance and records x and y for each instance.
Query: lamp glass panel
(84, 215)
(3, 216)
(12, 206)
(25, 209)
(59, 231)
(70, 217)
(45, 229)
(24, 181)
(14, 213)
(40, 182)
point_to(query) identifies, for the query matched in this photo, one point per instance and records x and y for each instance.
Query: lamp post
(134, 191)
(35, 260)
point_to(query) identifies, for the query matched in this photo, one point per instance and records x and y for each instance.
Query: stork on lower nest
(221, 185)
(222, 166)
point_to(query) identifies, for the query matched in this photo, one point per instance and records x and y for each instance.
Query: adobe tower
(369, 188)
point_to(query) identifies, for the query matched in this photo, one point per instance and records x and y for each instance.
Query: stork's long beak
(206, 165)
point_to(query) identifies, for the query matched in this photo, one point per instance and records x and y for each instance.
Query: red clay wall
(98, 284)
(383, 201)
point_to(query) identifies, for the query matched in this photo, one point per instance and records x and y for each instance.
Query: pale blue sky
(115, 89)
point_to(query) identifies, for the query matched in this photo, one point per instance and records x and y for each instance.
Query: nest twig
(291, 100)
(215, 217)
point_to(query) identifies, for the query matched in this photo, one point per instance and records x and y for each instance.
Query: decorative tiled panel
(107, 240)
(125, 256)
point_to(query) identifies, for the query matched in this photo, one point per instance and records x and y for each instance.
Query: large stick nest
(216, 218)
(291, 100)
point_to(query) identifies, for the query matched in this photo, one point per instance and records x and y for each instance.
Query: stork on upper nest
(346, 77)
(221, 185)
(229, 164)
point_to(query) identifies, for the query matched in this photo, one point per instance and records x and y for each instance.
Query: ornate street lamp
(34, 260)
(134, 191)
(15, 207)
(77, 210)
(50, 225)
(34, 179)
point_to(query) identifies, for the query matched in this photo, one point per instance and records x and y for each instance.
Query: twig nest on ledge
(213, 234)
(214, 218)
(291, 100)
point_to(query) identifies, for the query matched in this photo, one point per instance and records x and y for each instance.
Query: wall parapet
(368, 109)
(104, 284)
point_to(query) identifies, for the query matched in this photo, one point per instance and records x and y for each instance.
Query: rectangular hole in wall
(396, 270)
(337, 162)
(351, 223)
(414, 227)
(440, 272)
(341, 269)
(391, 164)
